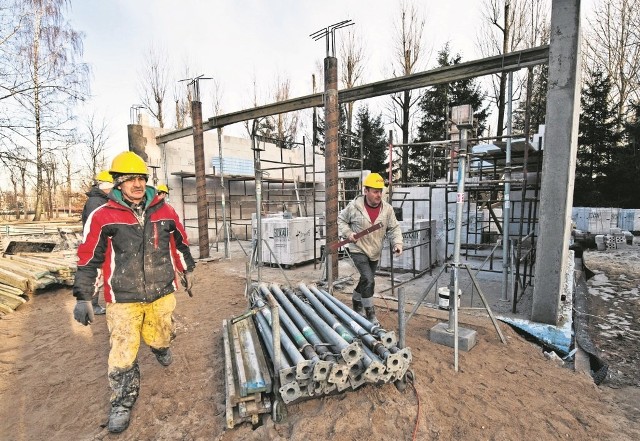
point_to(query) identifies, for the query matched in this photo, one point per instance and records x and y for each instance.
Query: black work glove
(83, 312)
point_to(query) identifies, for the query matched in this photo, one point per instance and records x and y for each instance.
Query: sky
(239, 41)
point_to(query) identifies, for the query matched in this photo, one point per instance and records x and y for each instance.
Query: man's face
(162, 195)
(134, 189)
(373, 196)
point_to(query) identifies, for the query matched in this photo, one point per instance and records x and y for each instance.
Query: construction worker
(139, 242)
(363, 212)
(97, 196)
(163, 191)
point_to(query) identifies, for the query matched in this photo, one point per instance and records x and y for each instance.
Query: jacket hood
(96, 192)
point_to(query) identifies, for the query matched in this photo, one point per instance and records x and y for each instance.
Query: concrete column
(558, 168)
(201, 182)
(332, 126)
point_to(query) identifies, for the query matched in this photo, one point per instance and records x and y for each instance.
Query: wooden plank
(15, 280)
(44, 264)
(229, 382)
(10, 290)
(239, 360)
(22, 270)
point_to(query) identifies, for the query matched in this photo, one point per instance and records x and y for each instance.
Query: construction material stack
(247, 377)
(327, 348)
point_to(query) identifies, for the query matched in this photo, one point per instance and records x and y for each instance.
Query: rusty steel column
(201, 182)
(332, 123)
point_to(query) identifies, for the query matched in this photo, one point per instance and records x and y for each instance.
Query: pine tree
(374, 141)
(433, 106)
(597, 141)
(622, 187)
(538, 102)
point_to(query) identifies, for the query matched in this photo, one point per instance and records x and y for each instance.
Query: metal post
(453, 293)
(401, 321)
(258, 189)
(225, 227)
(506, 208)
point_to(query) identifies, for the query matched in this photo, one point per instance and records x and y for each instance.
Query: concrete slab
(440, 334)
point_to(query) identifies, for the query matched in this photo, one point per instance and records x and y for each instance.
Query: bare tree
(47, 51)
(408, 53)
(503, 31)
(352, 58)
(283, 125)
(154, 80)
(613, 45)
(66, 161)
(94, 138)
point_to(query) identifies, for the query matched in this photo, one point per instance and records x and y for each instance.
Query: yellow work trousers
(128, 321)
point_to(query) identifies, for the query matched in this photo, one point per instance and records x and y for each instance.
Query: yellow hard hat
(374, 180)
(104, 176)
(128, 163)
(163, 188)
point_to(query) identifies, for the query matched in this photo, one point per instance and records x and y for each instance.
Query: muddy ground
(53, 382)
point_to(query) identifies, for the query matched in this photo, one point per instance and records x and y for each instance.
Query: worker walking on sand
(97, 196)
(139, 242)
(363, 212)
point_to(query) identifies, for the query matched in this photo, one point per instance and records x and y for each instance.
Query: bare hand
(352, 238)
(397, 250)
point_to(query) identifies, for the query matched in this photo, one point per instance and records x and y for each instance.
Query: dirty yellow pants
(128, 321)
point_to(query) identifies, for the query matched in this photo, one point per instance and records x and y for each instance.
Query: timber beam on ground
(470, 69)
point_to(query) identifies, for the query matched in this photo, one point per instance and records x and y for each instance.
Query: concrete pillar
(558, 168)
(332, 126)
(201, 180)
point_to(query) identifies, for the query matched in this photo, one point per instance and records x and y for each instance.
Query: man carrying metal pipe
(363, 212)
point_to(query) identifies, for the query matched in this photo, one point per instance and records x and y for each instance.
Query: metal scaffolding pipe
(358, 330)
(285, 341)
(302, 324)
(325, 314)
(350, 352)
(388, 338)
(294, 332)
(286, 372)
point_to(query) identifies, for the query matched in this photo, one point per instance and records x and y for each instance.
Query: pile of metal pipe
(326, 347)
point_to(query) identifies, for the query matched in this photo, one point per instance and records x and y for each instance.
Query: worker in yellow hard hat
(163, 191)
(96, 197)
(365, 211)
(139, 243)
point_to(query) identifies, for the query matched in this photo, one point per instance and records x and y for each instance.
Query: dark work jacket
(139, 259)
(97, 197)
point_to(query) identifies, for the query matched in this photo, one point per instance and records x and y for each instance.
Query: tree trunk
(405, 135)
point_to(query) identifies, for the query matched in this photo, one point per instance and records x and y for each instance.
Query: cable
(415, 429)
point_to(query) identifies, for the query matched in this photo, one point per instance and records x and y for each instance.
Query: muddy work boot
(370, 314)
(125, 386)
(163, 356)
(356, 301)
(119, 419)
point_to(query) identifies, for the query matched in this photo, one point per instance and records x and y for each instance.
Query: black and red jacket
(139, 260)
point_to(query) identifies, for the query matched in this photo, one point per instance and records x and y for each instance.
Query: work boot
(357, 306)
(119, 419)
(356, 301)
(99, 310)
(163, 355)
(370, 314)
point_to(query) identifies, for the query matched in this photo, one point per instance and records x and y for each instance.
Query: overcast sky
(236, 41)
